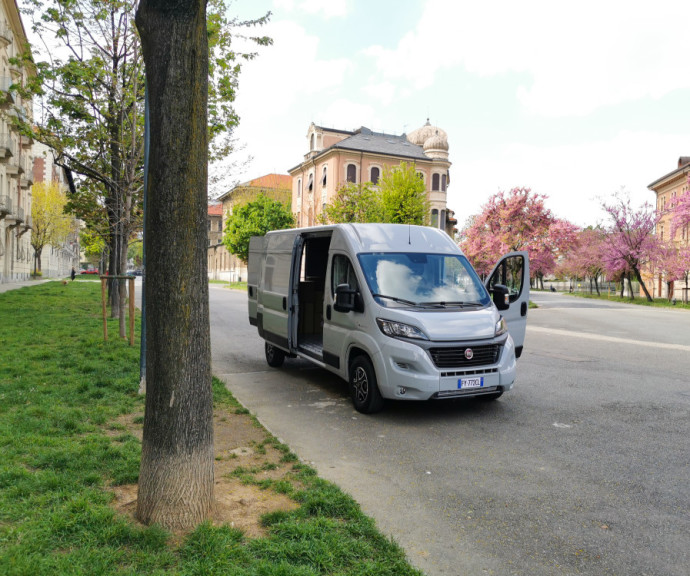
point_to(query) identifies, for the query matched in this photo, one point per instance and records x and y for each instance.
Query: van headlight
(501, 327)
(400, 330)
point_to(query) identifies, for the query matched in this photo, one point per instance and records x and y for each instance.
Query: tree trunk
(176, 475)
(638, 277)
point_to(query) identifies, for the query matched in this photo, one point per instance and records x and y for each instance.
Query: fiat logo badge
(469, 354)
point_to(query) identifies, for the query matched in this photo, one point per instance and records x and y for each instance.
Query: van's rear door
(512, 270)
(256, 244)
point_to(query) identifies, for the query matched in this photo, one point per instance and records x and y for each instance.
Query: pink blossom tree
(630, 242)
(585, 260)
(512, 221)
(672, 261)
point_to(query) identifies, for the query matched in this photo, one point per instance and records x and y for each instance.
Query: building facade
(222, 265)
(338, 157)
(16, 161)
(667, 189)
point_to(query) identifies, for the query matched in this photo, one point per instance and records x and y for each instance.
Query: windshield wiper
(399, 300)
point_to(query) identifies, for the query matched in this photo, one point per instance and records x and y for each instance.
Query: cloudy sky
(573, 100)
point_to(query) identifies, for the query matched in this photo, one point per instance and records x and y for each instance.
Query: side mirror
(345, 298)
(501, 296)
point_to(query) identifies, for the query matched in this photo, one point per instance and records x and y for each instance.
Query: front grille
(455, 357)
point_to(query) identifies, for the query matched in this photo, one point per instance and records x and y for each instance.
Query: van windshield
(405, 279)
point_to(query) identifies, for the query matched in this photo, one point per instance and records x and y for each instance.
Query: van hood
(448, 325)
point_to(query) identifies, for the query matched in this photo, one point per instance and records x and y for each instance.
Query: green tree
(354, 203)
(176, 474)
(254, 218)
(89, 87)
(50, 225)
(403, 194)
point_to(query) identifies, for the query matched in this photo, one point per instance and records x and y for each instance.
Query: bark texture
(176, 476)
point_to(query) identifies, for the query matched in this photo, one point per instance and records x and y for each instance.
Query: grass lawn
(639, 300)
(70, 419)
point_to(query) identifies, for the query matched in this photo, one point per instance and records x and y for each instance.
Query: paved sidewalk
(6, 286)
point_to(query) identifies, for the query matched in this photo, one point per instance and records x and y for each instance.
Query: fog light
(402, 390)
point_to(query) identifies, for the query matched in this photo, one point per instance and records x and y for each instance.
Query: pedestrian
(73, 274)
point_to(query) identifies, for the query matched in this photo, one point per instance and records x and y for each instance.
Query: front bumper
(410, 373)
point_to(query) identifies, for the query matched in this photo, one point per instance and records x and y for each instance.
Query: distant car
(90, 271)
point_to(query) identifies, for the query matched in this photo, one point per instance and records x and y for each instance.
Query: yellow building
(667, 189)
(338, 157)
(222, 265)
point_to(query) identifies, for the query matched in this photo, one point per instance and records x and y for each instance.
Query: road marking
(613, 339)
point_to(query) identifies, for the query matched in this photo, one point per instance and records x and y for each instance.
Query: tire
(364, 389)
(274, 356)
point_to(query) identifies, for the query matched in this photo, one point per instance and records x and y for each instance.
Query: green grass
(62, 389)
(639, 300)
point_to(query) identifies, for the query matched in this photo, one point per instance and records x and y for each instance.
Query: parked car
(90, 271)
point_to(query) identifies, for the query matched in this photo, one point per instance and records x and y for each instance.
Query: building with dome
(336, 157)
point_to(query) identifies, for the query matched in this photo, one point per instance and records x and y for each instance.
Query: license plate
(471, 382)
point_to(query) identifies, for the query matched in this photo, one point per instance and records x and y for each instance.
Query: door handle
(284, 303)
(328, 312)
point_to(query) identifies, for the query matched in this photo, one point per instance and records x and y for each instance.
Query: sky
(574, 100)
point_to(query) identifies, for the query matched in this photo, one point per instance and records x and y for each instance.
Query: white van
(395, 310)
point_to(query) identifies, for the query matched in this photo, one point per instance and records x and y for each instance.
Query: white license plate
(471, 382)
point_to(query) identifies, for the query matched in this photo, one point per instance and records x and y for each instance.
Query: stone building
(16, 161)
(337, 157)
(222, 265)
(667, 189)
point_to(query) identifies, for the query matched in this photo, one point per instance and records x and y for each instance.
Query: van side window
(342, 272)
(510, 273)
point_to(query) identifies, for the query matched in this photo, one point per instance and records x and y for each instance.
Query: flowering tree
(585, 259)
(517, 220)
(630, 242)
(672, 261)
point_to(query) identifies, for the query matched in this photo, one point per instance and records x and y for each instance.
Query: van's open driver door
(512, 270)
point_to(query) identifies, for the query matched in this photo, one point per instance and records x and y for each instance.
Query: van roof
(388, 237)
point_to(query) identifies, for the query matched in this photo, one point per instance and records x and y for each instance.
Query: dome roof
(421, 135)
(436, 142)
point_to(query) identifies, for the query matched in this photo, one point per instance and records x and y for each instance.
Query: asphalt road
(582, 469)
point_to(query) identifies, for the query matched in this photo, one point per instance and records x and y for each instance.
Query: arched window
(444, 182)
(323, 179)
(351, 173)
(313, 141)
(375, 175)
(442, 222)
(299, 188)
(434, 218)
(435, 179)
(310, 187)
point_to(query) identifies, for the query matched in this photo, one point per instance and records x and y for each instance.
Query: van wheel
(364, 390)
(274, 356)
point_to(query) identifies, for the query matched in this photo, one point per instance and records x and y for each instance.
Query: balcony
(6, 35)
(17, 215)
(5, 206)
(7, 96)
(26, 164)
(11, 165)
(6, 146)
(16, 71)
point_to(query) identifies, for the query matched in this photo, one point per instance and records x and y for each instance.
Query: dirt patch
(240, 444)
